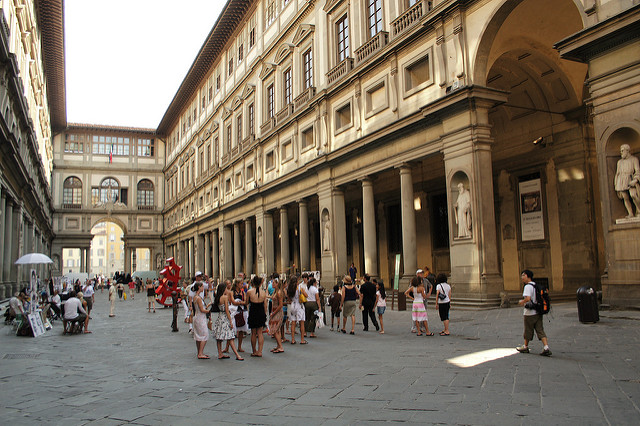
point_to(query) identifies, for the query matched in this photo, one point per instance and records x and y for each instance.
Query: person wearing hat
(349, 295)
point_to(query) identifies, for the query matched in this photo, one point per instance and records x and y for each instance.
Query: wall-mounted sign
(531, 217)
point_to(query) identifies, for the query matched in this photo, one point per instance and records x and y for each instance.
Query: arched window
(145, 194)
(109, 190)
(72, 192)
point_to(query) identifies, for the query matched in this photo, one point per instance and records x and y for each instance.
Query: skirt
(418, 312)
(257, 317)
(349, 308)
(296, 311)
(310, 318)
(275, 322)
(222, 328)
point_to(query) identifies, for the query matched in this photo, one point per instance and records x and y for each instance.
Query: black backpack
(543, 301)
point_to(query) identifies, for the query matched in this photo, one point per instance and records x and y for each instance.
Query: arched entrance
(107, 248)
(543, 156)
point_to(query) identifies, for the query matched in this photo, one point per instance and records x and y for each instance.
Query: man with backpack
(532, 316)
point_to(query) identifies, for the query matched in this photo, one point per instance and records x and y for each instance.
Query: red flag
(110, 157)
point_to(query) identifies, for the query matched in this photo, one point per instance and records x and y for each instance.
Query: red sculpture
(169, 282)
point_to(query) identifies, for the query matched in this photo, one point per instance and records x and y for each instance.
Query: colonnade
(19, 235)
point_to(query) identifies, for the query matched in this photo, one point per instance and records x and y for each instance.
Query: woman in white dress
(296, 311)
(200, 329)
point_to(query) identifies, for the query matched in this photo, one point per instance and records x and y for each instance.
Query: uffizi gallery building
(478, 138)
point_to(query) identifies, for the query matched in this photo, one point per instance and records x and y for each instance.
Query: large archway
(107, 248)
(543, 156)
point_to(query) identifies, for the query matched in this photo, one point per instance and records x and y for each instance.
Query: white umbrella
(33, 258)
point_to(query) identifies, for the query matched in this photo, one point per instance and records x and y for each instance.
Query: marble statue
(326, 232)
(462, 209)
(627, 180)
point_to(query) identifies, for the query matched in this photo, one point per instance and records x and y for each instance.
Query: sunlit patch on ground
(475, 358)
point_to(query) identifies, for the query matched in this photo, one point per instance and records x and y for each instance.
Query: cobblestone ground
(133, 370)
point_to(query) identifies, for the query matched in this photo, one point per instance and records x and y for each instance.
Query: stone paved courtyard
(133, 370)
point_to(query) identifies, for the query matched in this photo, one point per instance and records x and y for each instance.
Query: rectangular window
(286, 80)
(286, 153)
(240, 52)
(342, 37)
(271, 102)
(307, 63)
(343, 116)
(210, 93)
(252, 31)
(110, 144)
(269, 160)
(227, 186)
(230, 65)
(306, 139)
(145, 147)
(417, 73)
(73, 143)
(239, 127)
(238, 180)
(218, 83)
(249, 173)
(252, 119)
(375, 17)
(229, 135)
(271, 11)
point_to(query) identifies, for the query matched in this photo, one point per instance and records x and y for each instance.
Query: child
(381, 302)
(334, 301)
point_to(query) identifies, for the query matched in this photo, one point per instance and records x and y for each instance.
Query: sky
(126, 59)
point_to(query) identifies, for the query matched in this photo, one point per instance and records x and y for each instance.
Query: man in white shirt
(55, 302)
(532, 319)
(73, 311)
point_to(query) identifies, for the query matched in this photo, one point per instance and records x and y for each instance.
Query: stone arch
(570, 13)
(114, 219)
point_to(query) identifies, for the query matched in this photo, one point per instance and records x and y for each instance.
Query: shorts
(381, 309)
(89, 303)
(284, 313)
(151, 299)
(349, 308)
(336, 313)
(533, 322)
(443, 310)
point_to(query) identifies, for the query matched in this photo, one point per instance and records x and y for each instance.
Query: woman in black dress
(257, 314)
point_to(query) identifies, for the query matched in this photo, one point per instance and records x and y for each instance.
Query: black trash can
(588, 305)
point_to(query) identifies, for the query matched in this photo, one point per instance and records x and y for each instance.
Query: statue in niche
(259, 242)
(462, 210)
(326, 231)
(627, 180)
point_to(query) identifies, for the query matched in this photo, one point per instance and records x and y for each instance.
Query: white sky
(125, 59)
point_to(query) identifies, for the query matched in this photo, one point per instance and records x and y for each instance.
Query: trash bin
(588, 305)
(402, 301)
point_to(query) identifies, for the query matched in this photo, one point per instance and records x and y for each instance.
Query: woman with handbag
(277, 316)
(240, 316)
(298, 296)
(443, 301)
(311, 306)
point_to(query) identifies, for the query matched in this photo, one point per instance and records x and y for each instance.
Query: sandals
(304, 343)
(351, 332)
(344, 331)
(442, 333)
(419, 334)
(428, 334)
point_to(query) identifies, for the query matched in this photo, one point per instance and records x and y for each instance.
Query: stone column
(408, 223)
(369, 229)
(285, 263)
(207, 253)
(248, 246)
(237, 249)
(227, 251)
(8, 241)
(83, 260)
(339, 232)
(215, 262)
(127, 259)
(192, 252)
(200, 253)
(3, 237)
(88, 260)
(304, 235)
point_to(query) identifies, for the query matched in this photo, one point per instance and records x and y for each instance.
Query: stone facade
(108, 174)
(316, 134)
(27, 120)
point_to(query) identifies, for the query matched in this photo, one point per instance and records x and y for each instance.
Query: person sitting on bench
(71, 308)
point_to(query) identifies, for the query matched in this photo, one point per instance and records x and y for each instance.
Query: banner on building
(531, 215)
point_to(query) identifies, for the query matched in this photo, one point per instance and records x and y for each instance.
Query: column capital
(404, 168)
(366, 180)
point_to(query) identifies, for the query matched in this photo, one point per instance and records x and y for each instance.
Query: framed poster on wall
(531, 214)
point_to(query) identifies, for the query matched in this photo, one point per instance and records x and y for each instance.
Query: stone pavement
(133, 370)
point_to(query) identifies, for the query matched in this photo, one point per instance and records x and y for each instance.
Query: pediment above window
(247, 91)
(237, 103)
(214, 126)
(226, 112)
(283, 52)
(332, 4)
(267, 69)
(304, 31)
